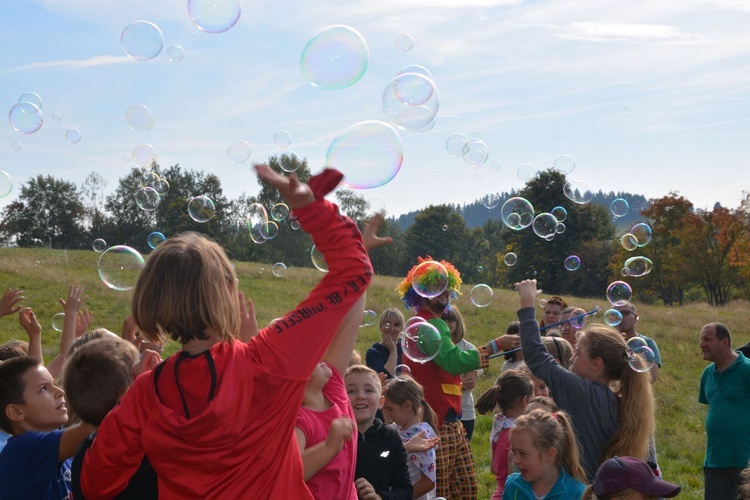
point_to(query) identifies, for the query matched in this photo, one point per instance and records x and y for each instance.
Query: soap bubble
(612, 317)
(318, 260)
(412, 320)
(445, 227)
(578, 192)
(99, 245)
(560, 213)
(270, 230)
(282, 139)
(572, 263)
(278, 269)
(421, 342)
(526, 172)
(335, 58)
(15, 146)
(56, 117)
(641, 359)
(491, 200)
(279, 211)
(411, 101)
(429, 279)
(416, 68)
(139, 117)
(294, 224)
(542, 303)
(496, 165)
(25, 118)
(402, 370)
(144, 155)
(73, 136)
(476, 153)
(147, 199)
(175, 53)
(412, 89)
(214, 16)
(368, 153)
(564, 163)
(517, 213)
(376, 204)
(619, 207)
(31, 97)
(142, 40)
(119, 267)
(6, 184)
(155, 238)
(619, 293)
(634, 343)
(629, 242)
(544, 225)
(560, 228)
(58, 320)
(238, 152)
(457, 145)
(642, 233)
(578, 318)
(149, 179)
(201, 208)
(404, 42)
(638, 266)
(510, 259)
(481, 295)
(369, 318)
(256, 219)
(161, 186)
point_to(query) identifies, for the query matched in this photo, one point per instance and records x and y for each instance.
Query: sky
(647, 97)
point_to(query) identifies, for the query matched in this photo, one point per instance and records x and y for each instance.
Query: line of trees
(697, 255)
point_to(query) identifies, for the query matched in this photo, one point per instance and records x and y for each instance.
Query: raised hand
(74, 301)
(370, 234)
(527, 292)
(9, 301)
(419, 443)
(248, 322)
(27, 320)
(83, 321)
(297, 194)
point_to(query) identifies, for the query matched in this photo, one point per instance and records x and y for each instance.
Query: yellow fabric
(452, 389)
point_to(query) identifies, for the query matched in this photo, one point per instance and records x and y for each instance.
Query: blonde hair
(454, 314)
(560, 349)
(510, 386)
(545, 401)
(387, 317)
(634, 392)
(364, 370)
(552, 430)
(186, 287)
(403, 389)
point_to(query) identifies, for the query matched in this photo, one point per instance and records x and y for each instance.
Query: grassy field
(46, 274)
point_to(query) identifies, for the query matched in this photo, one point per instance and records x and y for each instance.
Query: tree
(48, 212)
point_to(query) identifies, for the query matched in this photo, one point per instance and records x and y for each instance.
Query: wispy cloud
(73, 64)
(605, 32)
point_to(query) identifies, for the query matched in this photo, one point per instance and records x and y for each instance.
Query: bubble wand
(595, 310)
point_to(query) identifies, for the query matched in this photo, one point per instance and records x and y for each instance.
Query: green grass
(46, 274)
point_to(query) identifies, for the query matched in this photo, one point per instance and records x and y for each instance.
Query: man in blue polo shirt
(725, 388)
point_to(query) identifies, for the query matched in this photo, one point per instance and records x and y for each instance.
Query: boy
(382, 470)
(36, 461)
(96, 377)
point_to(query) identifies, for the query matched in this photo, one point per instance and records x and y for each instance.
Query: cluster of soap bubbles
(474, 150)
(26, 116)
(411, 99)
(641, 357)
(153, 187)
(638, 237)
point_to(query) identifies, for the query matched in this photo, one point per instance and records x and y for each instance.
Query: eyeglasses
(626, 312)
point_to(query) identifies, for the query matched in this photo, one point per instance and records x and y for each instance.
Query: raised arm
(27, 320)
(71, 306)
(340, 349)
(9, 301)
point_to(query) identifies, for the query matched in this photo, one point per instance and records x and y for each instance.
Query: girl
(627, 478)
(542, 403)
(385, 356)
(217, 418)
(560, 349)
(546, 453)
(607, 423)
(457, 327)
(406, 407)
(514, 360)
(553, 310)
(508, 398)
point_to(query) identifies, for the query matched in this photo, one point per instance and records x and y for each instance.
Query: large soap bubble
(142, 40)
(429, 279)
(421, 342)
(368, 153)
(545, 225)
(119, 267)
(481, 295)
(318, 260)
(619, 293)
(411, 101)
(256, 219)
(214, 16)
(517, 213)
(335, 58)
(641, 359)
(638, 266)
(25, 117)
(642, 233)
(578, 192)
(6, 184)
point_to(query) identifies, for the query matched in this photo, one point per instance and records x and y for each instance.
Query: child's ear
(551, 455)
(381, 402)
(15, 412)
(598, 364)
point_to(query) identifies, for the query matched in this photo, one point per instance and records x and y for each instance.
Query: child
(514, 360)
(560, 349)
(35, 462)
(508, 398)
(540, 388)
(542, 403)
(607, 423)
(217, 418)
(546, 454)
(457, 327)
(100, 369)
(407, 408)
(382, 470)
(627, 478)
(385, 356)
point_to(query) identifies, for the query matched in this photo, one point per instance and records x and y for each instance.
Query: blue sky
(648, 97)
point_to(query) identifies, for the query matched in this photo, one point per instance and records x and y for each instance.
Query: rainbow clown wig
(412, 299)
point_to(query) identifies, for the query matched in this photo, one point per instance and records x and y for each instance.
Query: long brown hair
(454, 314)
(553, 430)
(509, 387)
(634, 392)
(403, 389)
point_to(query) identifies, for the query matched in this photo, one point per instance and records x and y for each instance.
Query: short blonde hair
(186, 287)
(364, 370)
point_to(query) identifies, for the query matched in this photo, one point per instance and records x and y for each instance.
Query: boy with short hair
(382, 469)
(96, 377)
(36, 461)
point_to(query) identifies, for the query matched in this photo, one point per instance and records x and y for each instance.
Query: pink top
(500, 446)
(336, 478)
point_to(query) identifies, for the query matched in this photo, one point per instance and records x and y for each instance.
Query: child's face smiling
(44, 405)
(531, 462)
(399, 414)
(365, 396)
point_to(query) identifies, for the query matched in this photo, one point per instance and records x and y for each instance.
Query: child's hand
(130, 332)
(27, 320)
(149, 360)
(419, 444)
(527, 292)
(507, 342)
(383, 378)
(370, 234)
(297, 194)
(469, 380)
(83, 320)
(341, 431)
(11, 297)
(74, 301)
(248, 322)
(365, 491)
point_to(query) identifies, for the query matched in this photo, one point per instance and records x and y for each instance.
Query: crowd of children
(285, 412)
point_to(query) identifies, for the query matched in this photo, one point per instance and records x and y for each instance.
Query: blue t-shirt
(566, 488)
(3, 439)
(29, 467)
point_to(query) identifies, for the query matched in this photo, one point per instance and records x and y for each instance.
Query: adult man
(725, 388)
(441, 379)
(627, 327)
